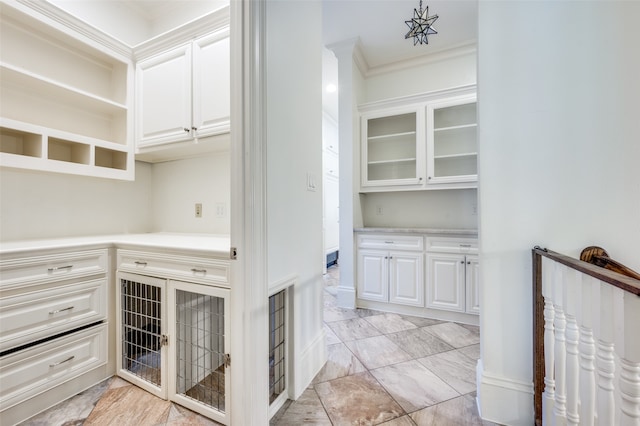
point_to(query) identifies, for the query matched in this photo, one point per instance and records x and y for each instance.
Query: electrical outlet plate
(198, 209)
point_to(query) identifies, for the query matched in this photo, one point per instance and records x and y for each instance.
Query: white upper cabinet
(452, 149)
(391, 152)
(420, 142)
(184, 93)
(65, 98)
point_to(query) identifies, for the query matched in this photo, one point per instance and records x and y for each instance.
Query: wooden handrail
(625, 282)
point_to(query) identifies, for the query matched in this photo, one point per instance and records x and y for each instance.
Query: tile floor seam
(322, 404)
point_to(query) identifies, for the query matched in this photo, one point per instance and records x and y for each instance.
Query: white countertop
(438, 231)
(209, 244)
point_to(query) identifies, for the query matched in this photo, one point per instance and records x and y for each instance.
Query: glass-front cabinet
(391, 153)
(426, 141)
(452, 152)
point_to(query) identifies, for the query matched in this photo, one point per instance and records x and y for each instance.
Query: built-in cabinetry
(391, 269)
(65, 99)
(172, 328)
(420, 142)
(452, 277)
(397, 270)
(53, 328)
(183, 94)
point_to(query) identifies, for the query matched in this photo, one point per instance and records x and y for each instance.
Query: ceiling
(380, 26)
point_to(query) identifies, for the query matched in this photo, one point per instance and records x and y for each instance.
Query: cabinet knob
(468, 263)
(462, 261)
(194, 128)
(429, 178)
(420, 179)
(186, 129)
(386, 257)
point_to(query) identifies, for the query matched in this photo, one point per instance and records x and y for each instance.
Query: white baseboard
(346, 297)
(504, 400)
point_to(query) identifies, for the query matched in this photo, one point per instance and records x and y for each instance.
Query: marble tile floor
(381, 368)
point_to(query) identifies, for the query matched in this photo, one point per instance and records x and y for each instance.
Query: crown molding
(402, 101)
(217, 20)
(463, 49)
(64, 21)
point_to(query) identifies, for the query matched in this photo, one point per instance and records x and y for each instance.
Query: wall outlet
(198, 209)
(474, 209)
(221, 210)
(379, 210)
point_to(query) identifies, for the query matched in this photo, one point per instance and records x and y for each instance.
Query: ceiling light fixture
(420, 26)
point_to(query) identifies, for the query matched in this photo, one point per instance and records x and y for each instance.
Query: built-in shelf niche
(20, 143)
(110, 158)
(71, 152)
(391, 147)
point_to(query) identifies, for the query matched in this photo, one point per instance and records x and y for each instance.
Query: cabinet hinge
(233, 253)
(227, 360)
(164, 340)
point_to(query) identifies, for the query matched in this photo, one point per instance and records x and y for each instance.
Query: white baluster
(587, 353)
(628, 344)
(605, 357)
(548, 397)
(571, 302)
(559, 324)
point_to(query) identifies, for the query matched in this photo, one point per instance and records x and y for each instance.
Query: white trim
(283, 284)
(462, 49)
(405, 102)
(61, 19)
(250, 372)
(502, 399)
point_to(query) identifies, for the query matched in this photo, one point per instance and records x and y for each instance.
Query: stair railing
(586, 340)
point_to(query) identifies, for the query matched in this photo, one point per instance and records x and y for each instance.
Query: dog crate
(172, 341)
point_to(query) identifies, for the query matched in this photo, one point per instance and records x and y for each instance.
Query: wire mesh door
(201, 362)
(141, 333)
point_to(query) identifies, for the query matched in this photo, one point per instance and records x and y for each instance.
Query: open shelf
(18, 142)
(461, 155)
(65, 101)
(391, 136)
(394, 161)
(110, 158)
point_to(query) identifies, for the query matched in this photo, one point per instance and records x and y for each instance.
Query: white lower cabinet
(453, 282)
(400, 269)
(453, 279)
(172, 340)
(394, 276)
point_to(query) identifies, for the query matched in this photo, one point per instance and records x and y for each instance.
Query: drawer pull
(63, 361)
(57, 311)
(198, 271)
(60, 268)
(389, 242)
(139, 263)
(465, 245)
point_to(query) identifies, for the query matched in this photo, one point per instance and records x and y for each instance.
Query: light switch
(311, 182)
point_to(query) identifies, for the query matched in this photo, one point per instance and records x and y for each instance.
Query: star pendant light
(420, 26)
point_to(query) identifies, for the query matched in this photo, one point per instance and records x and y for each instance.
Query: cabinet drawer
(185, 268)
(29, 317)
(36, 270)
(452, 245)
(391, 241)
(29, 372)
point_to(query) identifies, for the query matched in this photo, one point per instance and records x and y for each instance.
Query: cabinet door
(199, 332)
(445, 284)
(391, 153)
(452, 151)
(163, 98)
(473, 285)
(406, 278)
(211, 84)
(373, 275)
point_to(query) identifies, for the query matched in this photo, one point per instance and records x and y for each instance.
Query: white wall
(179, 185)
(558, 161)
(36, 205)
(294, 149)
(446, 69)
(428, 209)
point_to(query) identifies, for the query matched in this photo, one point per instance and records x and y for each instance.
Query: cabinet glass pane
(141, 328)
(200, 348)
(391, 147)
(455, 141)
